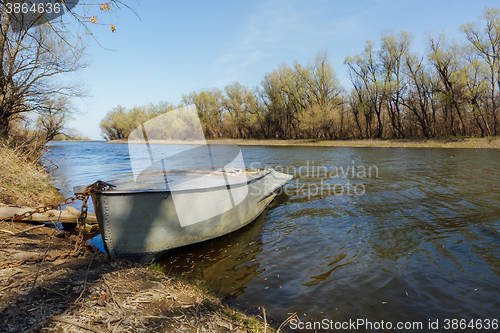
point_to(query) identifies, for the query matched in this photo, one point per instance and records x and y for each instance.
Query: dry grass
(89, 292)
(23, 181)
(138, 300)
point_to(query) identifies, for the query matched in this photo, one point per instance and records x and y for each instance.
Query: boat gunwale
(265, 173)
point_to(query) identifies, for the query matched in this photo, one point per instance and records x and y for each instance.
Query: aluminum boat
(143, 218)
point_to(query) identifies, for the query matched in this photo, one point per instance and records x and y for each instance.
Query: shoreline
(459, 142)
(56, 292)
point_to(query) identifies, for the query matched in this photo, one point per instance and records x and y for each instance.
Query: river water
(392, 234)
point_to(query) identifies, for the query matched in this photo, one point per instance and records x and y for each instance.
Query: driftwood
(69, 215)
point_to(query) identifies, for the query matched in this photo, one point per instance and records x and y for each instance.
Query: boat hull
(142, 225)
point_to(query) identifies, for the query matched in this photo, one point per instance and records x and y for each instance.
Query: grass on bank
(24, 182)
(212, 301)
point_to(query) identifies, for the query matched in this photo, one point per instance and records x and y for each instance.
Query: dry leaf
(103, 299)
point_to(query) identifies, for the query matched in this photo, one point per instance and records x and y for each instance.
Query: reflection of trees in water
(317, 279)
(226, 263)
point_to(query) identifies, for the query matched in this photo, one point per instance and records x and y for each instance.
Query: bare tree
(446, 60)
(53, 116)
(364, 71)
(484, 36)
(34, 57)
(30, 62)
(395, 51)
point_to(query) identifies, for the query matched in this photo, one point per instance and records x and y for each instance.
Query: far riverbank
(488, 142)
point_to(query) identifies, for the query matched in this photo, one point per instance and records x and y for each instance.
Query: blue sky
(183, 46)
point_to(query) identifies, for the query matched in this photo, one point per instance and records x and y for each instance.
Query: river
(392, 234)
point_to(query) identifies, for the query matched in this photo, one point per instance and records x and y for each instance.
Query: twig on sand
(110, 292)
(45, 254)
(29, 229)
(75, 323)
(183, 322)
(21, 281)
(22, 231)
(265, 320)
(86, 275)
(40, 266)
(56, 292)
(37, 326)
(293, 315)
(117, 325)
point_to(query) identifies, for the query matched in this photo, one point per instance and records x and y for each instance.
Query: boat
(140, 220)
(183, 190)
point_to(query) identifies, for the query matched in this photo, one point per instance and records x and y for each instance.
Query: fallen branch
(293, 315)
(7, 232)
(22, 280)
(75, 323)
(45, 255)
(69, 215)
(111, 294)
(29, 229)
(183, 322)
(265, 320)
(37, 326)
(56, 292)
(117, 325)
(86, 275)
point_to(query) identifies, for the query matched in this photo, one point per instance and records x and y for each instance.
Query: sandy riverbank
(490, 142)
(89, 292)
(409, 143)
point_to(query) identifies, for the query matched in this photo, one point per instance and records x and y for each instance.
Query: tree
(474, 77)
(210, 110)
(35, 58)
(281, 96)
(238, 102)
(418, 98)
(30, 62)
(447, 62)
(117, 124)
(364, 71)
(53, 116)
(394, 53)
(303, 101)
(322, 97)
(484, 36)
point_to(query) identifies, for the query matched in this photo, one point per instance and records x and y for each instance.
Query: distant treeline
(453, 90)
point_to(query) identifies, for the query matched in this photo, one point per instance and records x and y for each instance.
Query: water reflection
(227, 263)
